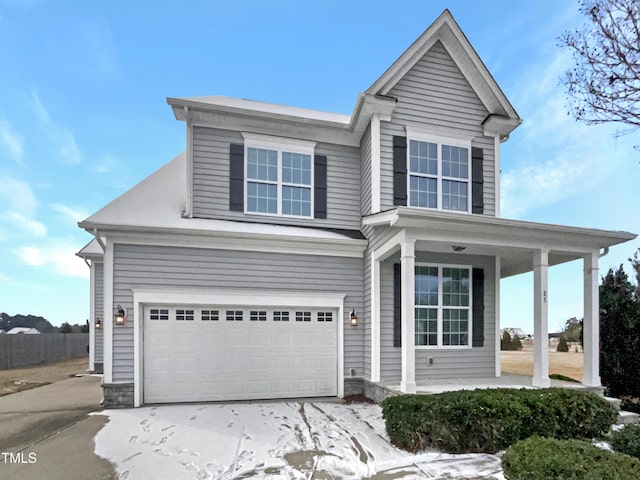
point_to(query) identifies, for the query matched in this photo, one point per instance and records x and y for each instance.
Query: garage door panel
(240, 358)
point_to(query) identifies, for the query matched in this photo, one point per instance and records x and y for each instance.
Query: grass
(569, 363)
(17, 379)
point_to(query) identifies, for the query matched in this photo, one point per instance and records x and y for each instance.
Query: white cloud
(16, 195)
(58, 256)
(107, 165)
(555, 157)
(26, 225)
(71, 213)
(11, 140)
(60, 137)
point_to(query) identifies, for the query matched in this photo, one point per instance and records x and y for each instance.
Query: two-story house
(298, 253)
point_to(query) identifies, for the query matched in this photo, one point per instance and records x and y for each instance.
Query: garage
(196, 353)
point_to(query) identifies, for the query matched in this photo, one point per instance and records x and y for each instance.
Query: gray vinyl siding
(137, 266)
(434, 93)
(377, 236)
(365, 191)
(211, 182)
(99, 311)
(447, 363)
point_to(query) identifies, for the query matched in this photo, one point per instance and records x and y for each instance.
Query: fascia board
(498, 231)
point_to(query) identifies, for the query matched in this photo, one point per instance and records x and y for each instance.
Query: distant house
(515, 331)
(25, 330)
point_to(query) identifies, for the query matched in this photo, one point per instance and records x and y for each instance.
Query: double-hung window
(279, 176)
(442, 306)
(439, 174)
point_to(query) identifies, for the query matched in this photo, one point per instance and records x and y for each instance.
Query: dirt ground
(565, 363)
(17, 379)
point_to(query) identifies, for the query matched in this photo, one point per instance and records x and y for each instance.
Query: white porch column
(407, 262)
(591, 325)
(541, 320)
(375, 319)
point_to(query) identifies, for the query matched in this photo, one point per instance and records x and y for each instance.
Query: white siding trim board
(107, 321)
(92, 316)
(142, 297)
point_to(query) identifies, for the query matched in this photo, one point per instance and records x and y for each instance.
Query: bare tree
(604, 83)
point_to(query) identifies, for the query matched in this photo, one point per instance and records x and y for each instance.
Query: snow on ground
(279, 440)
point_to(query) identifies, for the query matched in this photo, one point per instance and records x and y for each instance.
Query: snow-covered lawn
(277, 440)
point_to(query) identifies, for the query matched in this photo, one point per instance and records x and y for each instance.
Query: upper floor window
(278, 176)
(439, 175)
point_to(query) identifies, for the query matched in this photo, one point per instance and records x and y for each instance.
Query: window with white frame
(279, 176)
(442, 306)
(439, 174)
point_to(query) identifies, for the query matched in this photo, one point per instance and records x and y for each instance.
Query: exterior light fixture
(98, 323)
(458, 248)
(353, 317)
(121, 316)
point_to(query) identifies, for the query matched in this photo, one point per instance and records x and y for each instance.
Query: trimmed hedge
(544, 458)
(627, 440)
(491, 420)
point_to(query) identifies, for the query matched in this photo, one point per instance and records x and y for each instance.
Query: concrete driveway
(45, 432)
(271, 440)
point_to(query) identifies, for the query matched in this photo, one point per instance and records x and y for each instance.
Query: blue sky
(83, 117)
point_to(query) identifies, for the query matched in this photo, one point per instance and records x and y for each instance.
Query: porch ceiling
(514, 241)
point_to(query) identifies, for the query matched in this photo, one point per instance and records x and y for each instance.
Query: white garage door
(207, 353)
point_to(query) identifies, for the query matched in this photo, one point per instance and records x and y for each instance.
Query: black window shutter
(478, 307)
(400, 170)
(236, 177)
(320, 186)
(477, 181)
(397, 305)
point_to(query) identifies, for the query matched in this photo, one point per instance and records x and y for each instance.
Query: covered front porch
(514, 247)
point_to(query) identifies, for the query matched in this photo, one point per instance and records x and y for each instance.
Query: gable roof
(446, 30)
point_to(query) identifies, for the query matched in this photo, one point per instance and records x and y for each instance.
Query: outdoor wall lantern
(121, 316)
(98, 323)
(353, 317)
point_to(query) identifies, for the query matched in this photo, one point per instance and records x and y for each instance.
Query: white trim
(92, 316)
(375, 163)
(498, 358)
(375, 318)
(496, 183)
(440, 307)
(268, 298)
(188, 211)
(107, 320)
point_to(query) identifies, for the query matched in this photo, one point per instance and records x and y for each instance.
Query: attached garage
(240, 351)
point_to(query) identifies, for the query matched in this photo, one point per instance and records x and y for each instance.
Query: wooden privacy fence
(21, 350)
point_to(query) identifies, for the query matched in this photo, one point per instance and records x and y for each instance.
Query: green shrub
(546, 458)
(563, 346)
(627, 440)
(564, 378)
(491, 420)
